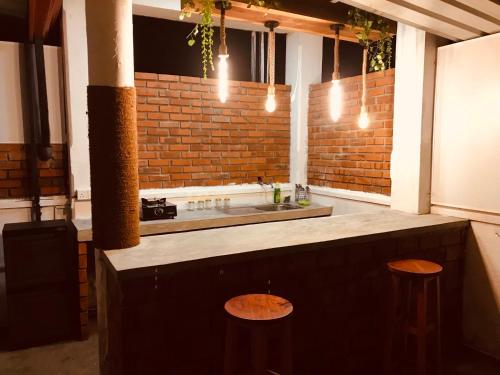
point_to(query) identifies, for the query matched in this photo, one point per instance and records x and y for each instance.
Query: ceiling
(452, 19)
(14, 8)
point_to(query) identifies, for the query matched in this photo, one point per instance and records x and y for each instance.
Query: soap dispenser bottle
(277, 193)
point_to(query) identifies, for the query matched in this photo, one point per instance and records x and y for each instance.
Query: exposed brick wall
(341, 155)
(14, 173)
(188, 138)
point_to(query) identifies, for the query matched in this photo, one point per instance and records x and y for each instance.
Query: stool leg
(391, 329)
(422, 328)
(259, 351)
(286, 354)
(406, 318)
(229, 348)
(438, 326)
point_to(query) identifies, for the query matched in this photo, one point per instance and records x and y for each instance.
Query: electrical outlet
(83, 195)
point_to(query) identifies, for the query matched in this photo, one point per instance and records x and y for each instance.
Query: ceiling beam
(493, 9)
(447, 12)
(397, 10)
(41, 16)
(484, 6)
(289, 22)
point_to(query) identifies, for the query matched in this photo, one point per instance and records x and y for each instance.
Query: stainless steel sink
(277, 207)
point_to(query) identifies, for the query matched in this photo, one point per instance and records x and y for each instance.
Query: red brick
(206, 142)
(151, 76)
(343, 156)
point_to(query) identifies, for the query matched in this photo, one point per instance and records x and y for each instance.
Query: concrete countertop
(213, 218)
(209, 245)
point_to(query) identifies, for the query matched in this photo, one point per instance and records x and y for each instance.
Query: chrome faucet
(261, 182)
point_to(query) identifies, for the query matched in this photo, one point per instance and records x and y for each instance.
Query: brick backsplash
(343, 156)
(14, 173)
(188, 138)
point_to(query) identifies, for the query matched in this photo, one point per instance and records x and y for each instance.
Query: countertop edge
(256, 254)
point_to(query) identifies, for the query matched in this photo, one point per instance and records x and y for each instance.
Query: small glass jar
(208, 204)
(227, 202)
(218, 203)
(191, 206)
(201, 205)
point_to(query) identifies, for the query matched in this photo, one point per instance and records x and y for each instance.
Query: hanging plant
(380, 51)
(205, 29)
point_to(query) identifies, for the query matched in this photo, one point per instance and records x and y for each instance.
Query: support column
(413, 120)
(304, 55)
(113, 149)
(112, 124)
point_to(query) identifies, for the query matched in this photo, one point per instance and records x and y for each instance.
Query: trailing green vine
(380, 51)
(205, 29)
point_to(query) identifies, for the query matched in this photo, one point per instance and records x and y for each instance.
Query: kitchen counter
(173, 249)
(163, 300)
(213, 218)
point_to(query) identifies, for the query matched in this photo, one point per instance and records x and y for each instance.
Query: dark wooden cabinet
(41, 283)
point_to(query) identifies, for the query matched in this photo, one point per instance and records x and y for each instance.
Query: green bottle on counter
(277, 193)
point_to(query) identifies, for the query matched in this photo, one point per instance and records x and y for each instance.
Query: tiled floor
(81, 358)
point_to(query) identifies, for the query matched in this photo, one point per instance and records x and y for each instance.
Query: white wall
(11, 109)
(466, 174)
(466, 160)
(76, 79)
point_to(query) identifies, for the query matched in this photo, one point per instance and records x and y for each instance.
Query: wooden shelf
(290, 22)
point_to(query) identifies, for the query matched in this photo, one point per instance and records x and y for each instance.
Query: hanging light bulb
(363, 120)
(271, 99)
(336, 89)
(335, 100)
(271, 90)
(223, 66)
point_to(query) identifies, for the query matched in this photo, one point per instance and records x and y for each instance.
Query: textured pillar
(113, 147)
(112, 124)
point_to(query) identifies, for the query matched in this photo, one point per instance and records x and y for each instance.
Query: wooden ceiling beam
(41, 16)
(290, 22)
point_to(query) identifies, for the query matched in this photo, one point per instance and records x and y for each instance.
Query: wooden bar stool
(410, 312)
(259, 313)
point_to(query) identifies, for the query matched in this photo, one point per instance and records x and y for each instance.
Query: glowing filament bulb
(223, 78)
(363, 120)
(335, 100)
(271, 99)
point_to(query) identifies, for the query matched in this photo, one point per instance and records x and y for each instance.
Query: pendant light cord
(336, 57)
(223, 46)
(365, 59)
(271, 45)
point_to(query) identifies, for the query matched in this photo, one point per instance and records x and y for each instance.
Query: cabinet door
(41, 317)
(144, 349)
(38, 259)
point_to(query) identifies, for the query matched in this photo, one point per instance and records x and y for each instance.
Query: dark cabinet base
(41, 282)
(172, 322)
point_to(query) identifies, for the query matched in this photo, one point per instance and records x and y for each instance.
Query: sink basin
(277, 207)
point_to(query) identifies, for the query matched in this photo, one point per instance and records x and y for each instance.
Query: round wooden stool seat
(414, 267)
(263, 316)
(258, 307)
